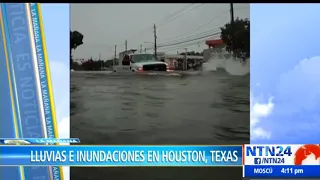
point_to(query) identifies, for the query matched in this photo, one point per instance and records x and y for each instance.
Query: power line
(193, 36)
(172, 17)
(209, 22)
(170, 43)
(212, 20)
(182, 46)
(164, 20)
(178, 14)
(175, 13)
(192, 42)
(195, 39)
(193, 8)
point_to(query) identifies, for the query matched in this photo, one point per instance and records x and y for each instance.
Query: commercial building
(214, 46)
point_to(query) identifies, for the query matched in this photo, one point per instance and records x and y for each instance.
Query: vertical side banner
(39, 50)
(54, 50)
(25, 79)
(27, 102)
(8, 116)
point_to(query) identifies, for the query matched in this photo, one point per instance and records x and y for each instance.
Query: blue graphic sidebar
(25, 80)
(7, 108)
(45, 82)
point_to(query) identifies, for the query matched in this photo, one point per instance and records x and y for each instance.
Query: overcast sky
(107, 25)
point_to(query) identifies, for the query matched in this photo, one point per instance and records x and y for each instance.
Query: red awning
(214, 42)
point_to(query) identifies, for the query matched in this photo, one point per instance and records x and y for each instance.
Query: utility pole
(186, 63)
(232, 23)
(140, 48)
(231, 13)
(115, 55)
(126, 44)
(155, 41)
(100, 61)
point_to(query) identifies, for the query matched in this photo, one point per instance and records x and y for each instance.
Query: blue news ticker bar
(30, 155)
(281, 171)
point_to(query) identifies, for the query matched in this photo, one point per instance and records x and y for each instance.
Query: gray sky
(107, 25)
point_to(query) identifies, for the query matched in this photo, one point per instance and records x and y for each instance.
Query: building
(177, 61)
(215, 45)
(130, 51)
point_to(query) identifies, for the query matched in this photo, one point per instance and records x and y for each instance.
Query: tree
(236, 36)
(76, 39)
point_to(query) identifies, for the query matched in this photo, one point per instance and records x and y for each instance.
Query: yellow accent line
(55, 124)
(10, 87)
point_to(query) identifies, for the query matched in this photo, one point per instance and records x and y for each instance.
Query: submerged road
(204, 108)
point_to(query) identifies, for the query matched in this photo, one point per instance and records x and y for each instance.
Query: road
(203, 108)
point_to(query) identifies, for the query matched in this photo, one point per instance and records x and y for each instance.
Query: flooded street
(203, 108)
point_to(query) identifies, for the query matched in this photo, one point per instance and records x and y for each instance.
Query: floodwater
(209, 107)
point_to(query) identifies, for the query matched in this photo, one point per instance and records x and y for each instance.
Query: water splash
(225, 61)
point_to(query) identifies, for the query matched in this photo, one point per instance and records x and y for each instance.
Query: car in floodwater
(141, 63)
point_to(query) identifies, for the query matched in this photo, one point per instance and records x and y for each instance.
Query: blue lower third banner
(120, 155)
(281, 171)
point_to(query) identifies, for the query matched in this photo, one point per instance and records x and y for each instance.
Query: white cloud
(298, 93)
(60, 75)
(259, 133)
(298, 100)
(258, 111)
(299, 89)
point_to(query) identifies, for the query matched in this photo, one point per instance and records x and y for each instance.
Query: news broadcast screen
(159, 91)
(258, 161)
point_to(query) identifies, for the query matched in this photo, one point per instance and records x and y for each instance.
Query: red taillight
(169, 68)
(140, 69)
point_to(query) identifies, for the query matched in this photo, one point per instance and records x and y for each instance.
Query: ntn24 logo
(308, 154)
(262, 150)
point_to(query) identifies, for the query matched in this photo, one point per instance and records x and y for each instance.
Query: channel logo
(308, 154)
(305, 151)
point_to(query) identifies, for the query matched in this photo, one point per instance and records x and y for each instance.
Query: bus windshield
(143, 58)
